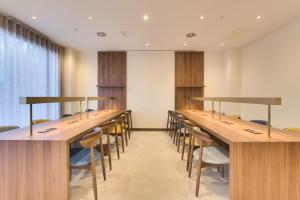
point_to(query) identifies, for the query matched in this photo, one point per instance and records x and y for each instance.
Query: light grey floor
(150, 169)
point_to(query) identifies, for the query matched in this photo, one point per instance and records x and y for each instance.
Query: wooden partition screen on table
(112, 68)
(189, 79)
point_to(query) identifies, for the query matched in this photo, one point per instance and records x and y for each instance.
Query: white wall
(69, 78)
(213, 75)
(271, 67)
(150, 87)
(232, 80)
(87, 76)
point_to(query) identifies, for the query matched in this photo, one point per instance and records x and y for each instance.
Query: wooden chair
(86, 158)
(180, 130)
(39, 121)
(7, 128)
(109, 141)
(171, 123)
(118, 131)
(209, 156)
(128, 123)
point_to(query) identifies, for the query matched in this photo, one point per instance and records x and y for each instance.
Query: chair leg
(191, 156)
(117, 144)
(189, 152)
(94, 173)
(126, 139)
(183, 145)
(109, 152)
(199, 172)
(122, 142)
(178, 140)
(102, 160)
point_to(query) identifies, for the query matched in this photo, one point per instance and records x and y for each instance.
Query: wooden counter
(261, 168)
(37, 167)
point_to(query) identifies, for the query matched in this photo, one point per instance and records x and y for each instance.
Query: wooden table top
(65, 129)
(235, 132)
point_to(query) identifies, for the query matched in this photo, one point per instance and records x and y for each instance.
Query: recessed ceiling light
(101, 34)
(34, 17)
(146, 17)
(258, 17)
(90, 18)
(147, 44)
(184, 44)
(222, 44)
(190, 35)
(202, 17)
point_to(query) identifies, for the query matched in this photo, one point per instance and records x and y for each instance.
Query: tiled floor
(150, 169)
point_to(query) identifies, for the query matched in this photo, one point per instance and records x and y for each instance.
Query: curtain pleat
(30, 65)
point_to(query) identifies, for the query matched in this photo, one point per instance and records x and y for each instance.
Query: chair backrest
(91, 139)
(120, 119)
(39, 121)
(66, 115)
(233, 116)
(297, 130)
(107, 126)
(7, 128)
(200, 136)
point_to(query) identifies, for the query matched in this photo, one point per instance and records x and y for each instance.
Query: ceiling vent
(101, 34)
(191, 35)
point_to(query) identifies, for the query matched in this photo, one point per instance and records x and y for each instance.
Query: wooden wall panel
(182, 96)
(119, 103)
(189, 70)
(189, 79)
(112, 67)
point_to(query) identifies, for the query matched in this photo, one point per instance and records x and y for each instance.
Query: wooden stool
(209, 156)
(86, 158)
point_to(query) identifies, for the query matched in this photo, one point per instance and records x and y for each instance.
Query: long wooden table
(261, 168)
(37, 167)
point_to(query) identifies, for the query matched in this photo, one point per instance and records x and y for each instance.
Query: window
(30, 65)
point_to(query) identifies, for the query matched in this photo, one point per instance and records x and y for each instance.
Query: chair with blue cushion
(87, 157)
(118, 131)
(259, 121)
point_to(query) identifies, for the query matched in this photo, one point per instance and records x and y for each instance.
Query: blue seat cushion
(258, 121)
(83, 157)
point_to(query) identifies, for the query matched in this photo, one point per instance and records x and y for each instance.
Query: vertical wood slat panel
(189, 79)
(112, 67)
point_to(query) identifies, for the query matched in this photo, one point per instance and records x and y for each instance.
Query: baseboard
(149, 129)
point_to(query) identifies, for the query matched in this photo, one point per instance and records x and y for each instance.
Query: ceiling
(232, 22)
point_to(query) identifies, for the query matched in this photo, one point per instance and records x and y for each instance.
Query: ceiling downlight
(190, 35)
(101, 34)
